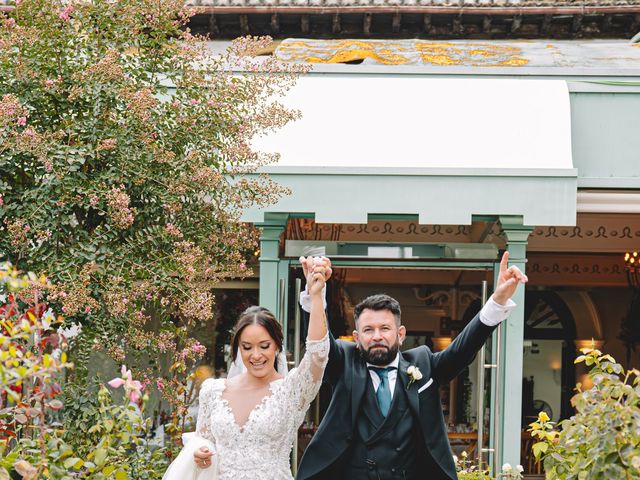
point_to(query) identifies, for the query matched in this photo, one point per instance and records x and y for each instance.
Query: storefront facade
(539, 161)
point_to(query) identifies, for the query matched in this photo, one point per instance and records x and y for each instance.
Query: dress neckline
(256, 408)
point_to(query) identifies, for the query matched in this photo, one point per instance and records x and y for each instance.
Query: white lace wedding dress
(261, 448)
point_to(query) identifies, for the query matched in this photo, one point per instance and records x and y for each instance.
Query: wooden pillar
(271, 230)
(509, 399)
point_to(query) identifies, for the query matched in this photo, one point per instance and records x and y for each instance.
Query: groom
(385, 419)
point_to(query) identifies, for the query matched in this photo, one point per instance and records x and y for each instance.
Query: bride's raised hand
(318, 273)
(307, 264)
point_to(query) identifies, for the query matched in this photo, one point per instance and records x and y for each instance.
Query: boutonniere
(414, 374)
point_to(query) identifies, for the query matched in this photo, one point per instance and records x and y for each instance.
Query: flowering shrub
(125, 146)
(602, 440)
(468, 469)
(33, 361)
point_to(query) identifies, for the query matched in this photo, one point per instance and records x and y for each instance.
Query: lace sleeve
(315, 357)
(205, 404)
(304, 381)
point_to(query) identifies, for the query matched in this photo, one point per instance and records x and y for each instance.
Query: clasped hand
(317, 270)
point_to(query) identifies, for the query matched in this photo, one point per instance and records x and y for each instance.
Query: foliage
(125, 162)
(602, 440)
(33, 444)
(467, 469)
(32, 359)
(630, 327)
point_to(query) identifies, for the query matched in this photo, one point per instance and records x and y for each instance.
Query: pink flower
(22, 121)
(132, 388)
(65, 14)
(1, 201)
(175, 104)
(160, 384)
(116, 383)
(242, 266)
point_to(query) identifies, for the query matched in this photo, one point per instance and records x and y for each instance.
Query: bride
(247, 423)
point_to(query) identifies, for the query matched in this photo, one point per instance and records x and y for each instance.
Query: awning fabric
(442, 148)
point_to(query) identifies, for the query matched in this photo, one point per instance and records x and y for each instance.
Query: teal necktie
(383, 394)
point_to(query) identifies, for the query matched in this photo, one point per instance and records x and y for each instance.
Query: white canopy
(447, 148)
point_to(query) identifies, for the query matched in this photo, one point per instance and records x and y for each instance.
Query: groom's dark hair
(378, 302)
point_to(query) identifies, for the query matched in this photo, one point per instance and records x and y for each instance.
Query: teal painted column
(283, 281)
(510, 396)
(271, 230)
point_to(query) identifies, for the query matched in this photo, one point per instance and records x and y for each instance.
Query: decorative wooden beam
(457, 27)
(541, 9)
(576, 24)
(275, 23)
(486, 24)
(244, 25)
(366, 23)
(516, 23)
(546, 24)
(428, 27)
(335, 23)
(396, 22)
(304, 24)
(213, 25)
(635, 25)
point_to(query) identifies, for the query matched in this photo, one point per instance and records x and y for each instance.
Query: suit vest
(384, 448)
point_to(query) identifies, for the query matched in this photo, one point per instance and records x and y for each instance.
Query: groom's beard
(379, 356)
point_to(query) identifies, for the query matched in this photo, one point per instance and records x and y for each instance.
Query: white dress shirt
(492, 314)
(392, 375)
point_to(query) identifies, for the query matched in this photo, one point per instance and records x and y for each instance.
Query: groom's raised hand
(508, 280)
(316, 279)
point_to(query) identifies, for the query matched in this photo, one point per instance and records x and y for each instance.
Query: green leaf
(121, 475)
(73, 462)
(108, 470)
(108, 424)
(100, 456)
(539, 448)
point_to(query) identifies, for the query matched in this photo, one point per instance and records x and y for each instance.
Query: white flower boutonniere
(414, 375)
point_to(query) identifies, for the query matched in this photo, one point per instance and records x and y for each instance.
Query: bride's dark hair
(256, 315)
